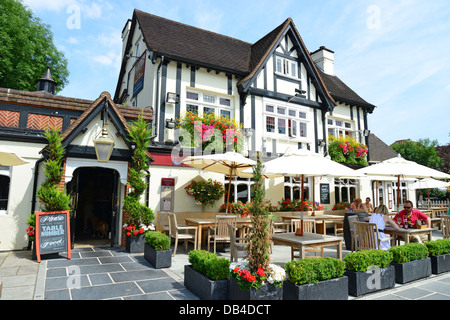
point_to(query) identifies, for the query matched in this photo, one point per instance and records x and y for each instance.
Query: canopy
(429, 183)
(9, 158)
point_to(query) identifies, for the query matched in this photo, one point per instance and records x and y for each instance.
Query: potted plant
(252, 282)
(369, 271)
(207, 276)
(439, 252)
(315, 279)
(139, 216)
(205, 193)
(411, 262)
(52, 197)
(157, 249)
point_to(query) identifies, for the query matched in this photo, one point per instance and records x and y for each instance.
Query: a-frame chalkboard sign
(52, 233)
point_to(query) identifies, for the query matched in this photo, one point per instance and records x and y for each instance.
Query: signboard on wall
(52, 233)
(167, 194)
(139, 71)
(324, 193)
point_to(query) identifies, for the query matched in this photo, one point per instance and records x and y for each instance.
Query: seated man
(412, 215)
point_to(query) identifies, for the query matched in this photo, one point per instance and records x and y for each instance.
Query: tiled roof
(379, 151)
(193, 45)
(341, 92)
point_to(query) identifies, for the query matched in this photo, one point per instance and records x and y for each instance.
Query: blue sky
(394, 54)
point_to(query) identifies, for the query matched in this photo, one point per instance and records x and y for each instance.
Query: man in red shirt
(411, 215)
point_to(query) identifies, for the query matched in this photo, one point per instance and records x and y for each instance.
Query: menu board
(53, 233)
(324, 193)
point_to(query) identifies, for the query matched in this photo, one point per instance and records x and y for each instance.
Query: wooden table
(321, 218)
(407, 233)
(308, 240)
(210, 222)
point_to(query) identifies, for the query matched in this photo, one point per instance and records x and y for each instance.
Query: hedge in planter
(315, 279)
(207, 276)
(369, 271)
(411, 262)
(157, 249)
(439, 252)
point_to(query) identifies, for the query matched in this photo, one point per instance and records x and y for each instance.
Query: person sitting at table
(381, 218)
(410, 215)
(356, 204)
(367, 206)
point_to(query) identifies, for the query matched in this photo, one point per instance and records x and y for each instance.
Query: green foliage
(49, 193)
(347, 150)
(423, 152)
(314, 270)
(206, 192)
(139, 215)
(361, 261)
(438, 247)
(157, 240)
(26, 49)
(259, 241)
(209, 264)
(409, 252)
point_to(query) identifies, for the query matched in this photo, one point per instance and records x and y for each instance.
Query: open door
(115, 208)
(73, 191)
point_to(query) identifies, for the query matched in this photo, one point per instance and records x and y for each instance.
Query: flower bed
(298, 205)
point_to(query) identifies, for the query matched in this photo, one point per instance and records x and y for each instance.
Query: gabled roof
(343, 93)
(379, 151)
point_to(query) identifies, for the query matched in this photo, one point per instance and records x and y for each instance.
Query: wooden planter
(158, 259)
(333, 289)
(266, 292)
(440, 264)
(205, 288)
(413, 270)
(135, 244)
(360, 283)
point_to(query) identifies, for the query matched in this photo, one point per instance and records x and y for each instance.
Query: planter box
(440, 264)
(360, 283)
(410, 271)
(266, 292)
(135, 245)
(333, 289)
(205, 288)
(158, 259)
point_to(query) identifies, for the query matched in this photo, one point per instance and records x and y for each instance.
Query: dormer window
(287, 67)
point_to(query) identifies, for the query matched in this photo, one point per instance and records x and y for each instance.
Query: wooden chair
(445, 223)
(186, 236)
(368, 236)
(237, 249)
(353, 234)
(220, 232)
(309, 226)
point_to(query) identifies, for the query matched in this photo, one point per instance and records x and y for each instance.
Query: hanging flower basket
(206, 193)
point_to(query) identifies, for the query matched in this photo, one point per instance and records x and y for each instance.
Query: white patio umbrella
(429, 183)
(9, 158)
(400, 167)
(229, 163)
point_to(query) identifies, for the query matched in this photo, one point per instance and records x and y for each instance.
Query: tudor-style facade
(285, 97)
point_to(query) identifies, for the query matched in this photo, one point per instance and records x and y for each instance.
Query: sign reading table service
(53, 233)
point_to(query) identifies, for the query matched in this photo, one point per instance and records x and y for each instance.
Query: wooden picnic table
(308, 240)
(210, 222)
(407, 233)
(322, 218)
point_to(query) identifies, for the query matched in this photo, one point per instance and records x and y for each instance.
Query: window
(286, 122)
(344, 190)
(292, 187)
(240, 189)
(340, 128)
(203, 104)
(286, 67)
(4, 188)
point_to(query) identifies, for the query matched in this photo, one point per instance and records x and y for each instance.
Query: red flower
(135, 232)
(260, 272)
(236, 270)
(128, 234)
(141, 230)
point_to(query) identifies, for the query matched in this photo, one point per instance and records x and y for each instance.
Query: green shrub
(209, 264)
(361, 261)
(157, 240)
(409, 252)
(314, 270)
(438, 247)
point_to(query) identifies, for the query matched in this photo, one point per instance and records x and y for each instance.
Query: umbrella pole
(398, 193)
(229, 189)
(313, 197)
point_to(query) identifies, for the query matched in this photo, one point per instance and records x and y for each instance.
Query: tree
(27, 49)
(423, 152)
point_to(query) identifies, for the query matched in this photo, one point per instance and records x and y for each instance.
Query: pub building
(282, 95)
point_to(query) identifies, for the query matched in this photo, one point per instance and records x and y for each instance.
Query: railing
(433, 203)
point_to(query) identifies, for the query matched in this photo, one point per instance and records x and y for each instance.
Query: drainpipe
(155, 115)
(33, 197)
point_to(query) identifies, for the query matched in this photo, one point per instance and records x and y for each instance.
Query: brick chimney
(324, 59)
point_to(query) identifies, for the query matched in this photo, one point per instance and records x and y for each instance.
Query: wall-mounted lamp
(170, 124)
(298, 93)
(248, 132)
(321, 143)
(103, 144)
(172, 98)
(365, 132)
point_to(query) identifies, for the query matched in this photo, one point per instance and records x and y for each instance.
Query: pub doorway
(94, 205)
